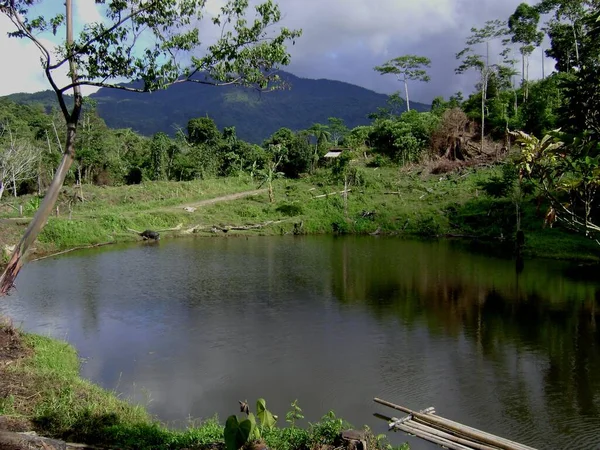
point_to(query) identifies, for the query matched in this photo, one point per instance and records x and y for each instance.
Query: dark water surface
(194, 325)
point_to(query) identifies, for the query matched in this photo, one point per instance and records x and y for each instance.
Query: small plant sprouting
(294, 414)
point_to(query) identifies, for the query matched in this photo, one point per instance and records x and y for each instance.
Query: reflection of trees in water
(509, 318)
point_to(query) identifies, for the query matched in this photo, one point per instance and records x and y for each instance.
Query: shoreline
(41, 390)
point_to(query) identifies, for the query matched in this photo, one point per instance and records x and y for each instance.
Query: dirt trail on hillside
(211, 201)
(198, 204)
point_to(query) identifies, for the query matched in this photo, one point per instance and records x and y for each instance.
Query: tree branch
(116, 25)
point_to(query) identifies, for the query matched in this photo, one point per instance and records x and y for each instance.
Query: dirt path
(198, 204)
(211, 201)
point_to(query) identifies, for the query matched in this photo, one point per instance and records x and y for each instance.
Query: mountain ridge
(255, 116)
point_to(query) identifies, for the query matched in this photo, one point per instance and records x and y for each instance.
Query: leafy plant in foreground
(237, 433)
(567, 171)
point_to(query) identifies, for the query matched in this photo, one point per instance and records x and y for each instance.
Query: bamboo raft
(427, 425)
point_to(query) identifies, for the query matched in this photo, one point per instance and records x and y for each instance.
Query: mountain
(255, 116)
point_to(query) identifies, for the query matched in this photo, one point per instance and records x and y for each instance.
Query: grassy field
(406, 202)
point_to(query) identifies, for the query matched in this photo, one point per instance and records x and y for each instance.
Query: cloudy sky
(342, 40)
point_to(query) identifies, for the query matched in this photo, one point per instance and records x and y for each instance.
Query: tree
(203, 130)
(296, 154)
(159, 156)
(394, 108)
(566, 168)
(407, 67)
(268, 173)
(18, 159)
(570, 10)
(523, 25)
(337, 129)
(149, 41)
(322, 136)
(492, 30)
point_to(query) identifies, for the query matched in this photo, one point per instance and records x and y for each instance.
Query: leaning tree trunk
(17, 259)
(41, 216)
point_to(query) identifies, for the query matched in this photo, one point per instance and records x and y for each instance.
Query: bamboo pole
(450, 437)
(465, 430)
(431, 438)
(433, 432)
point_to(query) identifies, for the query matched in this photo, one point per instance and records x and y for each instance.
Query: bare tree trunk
(483, 95)
(543, 67)
(39, 174)
(406, 94)
(527, 78)
(576, 44)
(484, 81)
(14, 185)
(1, 189)
(523, 69)
(346, 196)
(17, 259)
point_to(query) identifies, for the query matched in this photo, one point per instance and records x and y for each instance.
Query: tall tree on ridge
(493, 29)
(523, 25)
(407, 67)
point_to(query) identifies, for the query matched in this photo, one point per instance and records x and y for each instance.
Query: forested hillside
(255, 115)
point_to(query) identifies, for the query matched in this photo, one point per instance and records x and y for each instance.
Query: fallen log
(102, 244)
(332, 193)
(177, 228)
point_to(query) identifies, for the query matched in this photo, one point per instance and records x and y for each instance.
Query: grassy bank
(468, 204)
(40, 389)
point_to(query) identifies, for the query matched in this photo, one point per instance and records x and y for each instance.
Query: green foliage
(307, 102)
(294, 414)
(404, 139)
(499, 186)
(379, 161)
(337, 129)
(203, 130)
(541, 112)
(236, 433)
(439, 105)
(566, 169)
(158, 156)
(290, 209)
(288, 438)
(294, 151)
(523, 27)
(327, 429)
(358, 138)
(406, 68)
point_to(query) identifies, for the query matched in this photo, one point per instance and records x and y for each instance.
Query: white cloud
(25, 72)
(86, 11)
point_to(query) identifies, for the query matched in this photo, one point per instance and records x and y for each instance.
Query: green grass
(405, 202)
(48, 391)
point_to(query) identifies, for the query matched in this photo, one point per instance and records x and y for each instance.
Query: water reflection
(196, 325)
(534, 335)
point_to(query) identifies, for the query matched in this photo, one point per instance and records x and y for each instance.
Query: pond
(190, 326)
